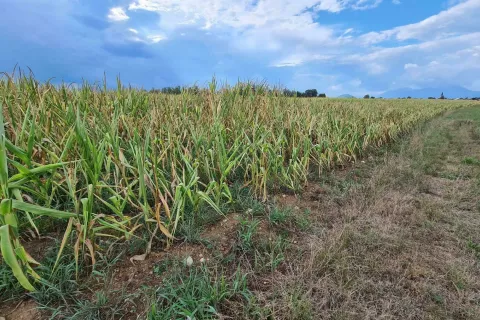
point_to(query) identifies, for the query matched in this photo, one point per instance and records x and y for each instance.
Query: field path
(398, 235)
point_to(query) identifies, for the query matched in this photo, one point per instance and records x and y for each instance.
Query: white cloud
(451, 3)
(253, 24)
(133, 30)
(435, 47)
(329, 5)
(376, 68)
(247, 25)
(244, 13)
(238, 15)
(117, 14)
(336, 87)
(347, 33)
(455, 60)
(475, 86)
(456, 68)
(287, 33)
(355, 82)
(410, 66)
(156, 38)
(365, 4)
(452, 22)
(298, 59)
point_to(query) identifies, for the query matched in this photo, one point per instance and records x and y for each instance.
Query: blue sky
(336, 46)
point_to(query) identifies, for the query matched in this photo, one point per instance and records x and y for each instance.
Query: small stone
(264, 282)
(202, 260)
(284, 195)
(295, 241)
(2, 318)
(200, 255)
(297, 208)
(189, 261)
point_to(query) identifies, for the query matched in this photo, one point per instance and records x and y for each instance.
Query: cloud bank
(168, 42)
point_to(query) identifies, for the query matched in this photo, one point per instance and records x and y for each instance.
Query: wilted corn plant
(115, 161)
(12, 203)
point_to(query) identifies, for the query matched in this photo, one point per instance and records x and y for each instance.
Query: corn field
(112, 162)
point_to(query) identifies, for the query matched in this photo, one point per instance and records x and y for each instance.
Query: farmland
(97, 168)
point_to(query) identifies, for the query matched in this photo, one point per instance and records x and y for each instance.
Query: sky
(335, 46)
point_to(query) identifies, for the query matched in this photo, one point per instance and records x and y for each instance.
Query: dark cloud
(129, 49)
(91, 21)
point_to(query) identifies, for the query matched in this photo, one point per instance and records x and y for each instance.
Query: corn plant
(12, 203)
(114, 161)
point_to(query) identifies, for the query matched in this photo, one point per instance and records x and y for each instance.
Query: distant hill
(452, 92)
(348, 96)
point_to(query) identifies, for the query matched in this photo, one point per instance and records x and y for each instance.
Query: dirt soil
(20, 310)
(401, 243)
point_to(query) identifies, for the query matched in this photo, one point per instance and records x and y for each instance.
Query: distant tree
(289, 93)
(311, 93)
(409, 97)
(431, 98)
(442, 96)
(300, 94)
(169, 90)
(372, 97)
(193, 89)
(367, 96)
(322, 95)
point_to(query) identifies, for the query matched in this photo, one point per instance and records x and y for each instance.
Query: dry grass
(397, 245)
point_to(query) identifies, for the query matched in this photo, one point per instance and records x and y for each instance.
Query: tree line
(244, 89)
(309, 93)
(248, 88)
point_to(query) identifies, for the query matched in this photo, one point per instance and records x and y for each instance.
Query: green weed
(197, 293)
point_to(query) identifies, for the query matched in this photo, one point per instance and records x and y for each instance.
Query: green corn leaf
(5, 207)
(17, 151)
(212, 204)
(2, 123)
(31, 141)
(3, 164)
(24, 125)
(10, 258)
(114, 226)
(35, 171)
(9, 216)
(38, 210)
(18, 195)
